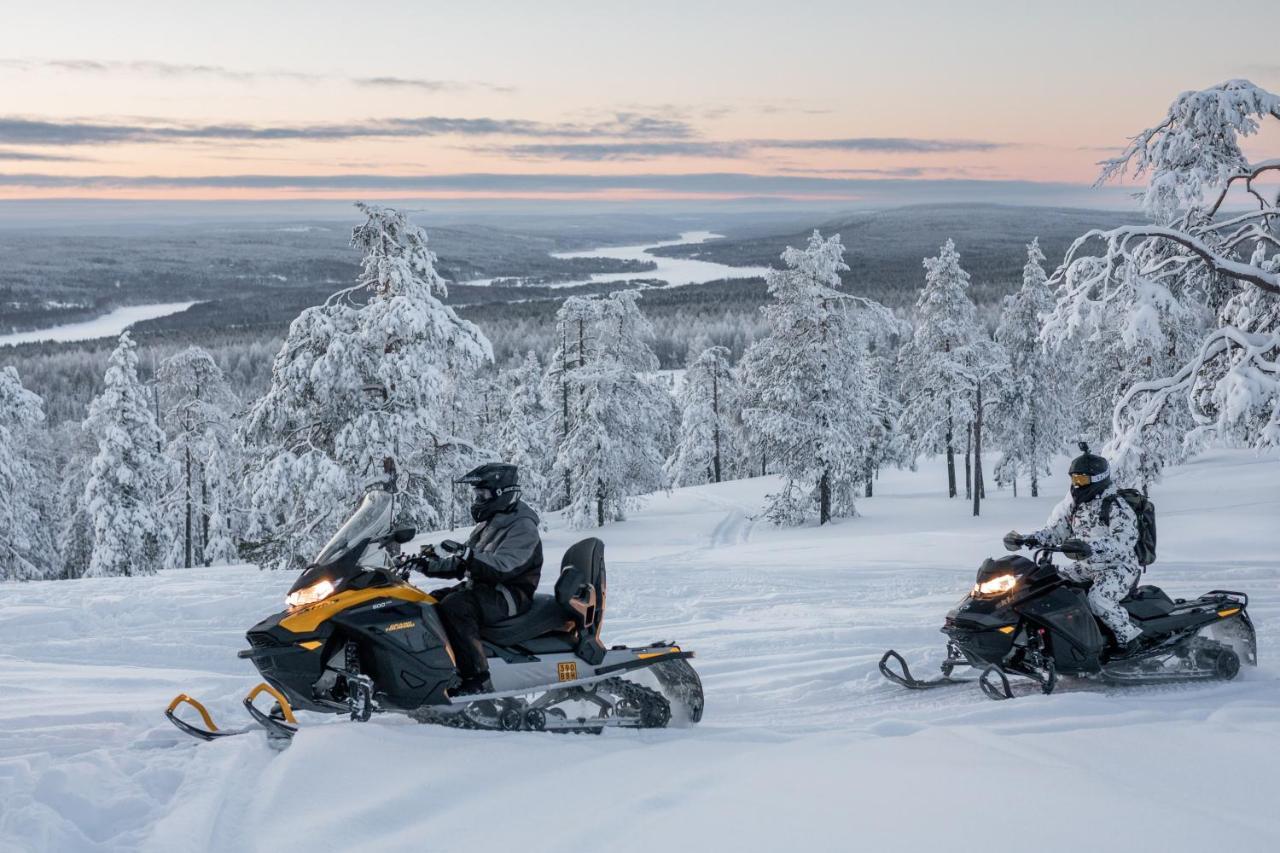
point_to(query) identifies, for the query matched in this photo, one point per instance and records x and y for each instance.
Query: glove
(1013, 540)
(439, 567)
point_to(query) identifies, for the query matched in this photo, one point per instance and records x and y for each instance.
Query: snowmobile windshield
(371, 520)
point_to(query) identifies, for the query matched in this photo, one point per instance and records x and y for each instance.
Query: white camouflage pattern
(1114, 566)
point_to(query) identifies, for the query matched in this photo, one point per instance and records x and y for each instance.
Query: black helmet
(497, 488)
(1090, 476)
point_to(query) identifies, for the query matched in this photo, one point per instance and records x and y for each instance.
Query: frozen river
(107, 326)
(676, 272)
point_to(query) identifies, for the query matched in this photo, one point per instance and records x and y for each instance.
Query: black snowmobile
(1023, 618)
(358, 639)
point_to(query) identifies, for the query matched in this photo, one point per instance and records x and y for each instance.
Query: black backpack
(1145, 510)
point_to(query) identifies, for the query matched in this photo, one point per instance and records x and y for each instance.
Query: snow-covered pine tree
(708, 442)
(26, 547)
(619, 417)
(198, 403)
(74, 450)
(1194, 256)
(936, 405)
(576, 326)
(126, 476)
(808, 389)
(527, 432)
(1034, 411)
(364, 379)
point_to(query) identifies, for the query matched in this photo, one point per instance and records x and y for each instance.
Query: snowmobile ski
(907, 680)
(279, 724)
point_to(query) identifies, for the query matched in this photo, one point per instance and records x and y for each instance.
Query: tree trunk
(951, 456)
(968, 469)
(869, 490)
(824, 498)
(189, 509)
(978, 494)
(1015, 486)
(715, 410)
(204, 516)
(1035, 473)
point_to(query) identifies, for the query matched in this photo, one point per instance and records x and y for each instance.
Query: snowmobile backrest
(580, 590)
(1145, 510)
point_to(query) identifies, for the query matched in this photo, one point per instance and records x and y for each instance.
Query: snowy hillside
(803, 745)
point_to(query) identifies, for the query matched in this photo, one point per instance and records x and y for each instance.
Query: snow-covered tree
(1034, 410)
(527, 431)
(362, 384)
(1192, 258)
(619, 418)
(26, 546)
(936, 384)
(198, 404)
(122, 496)
(74, 450)
(986, 373)
(576, 326)
(809, 394)
(708, 442)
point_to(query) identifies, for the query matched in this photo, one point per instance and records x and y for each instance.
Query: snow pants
(463, 610)
(1111, 584)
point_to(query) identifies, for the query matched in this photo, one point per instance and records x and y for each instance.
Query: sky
(686, 101)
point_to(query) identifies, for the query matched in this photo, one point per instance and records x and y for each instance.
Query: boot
(473, 685)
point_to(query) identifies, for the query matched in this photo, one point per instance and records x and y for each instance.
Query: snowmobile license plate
(567, 671)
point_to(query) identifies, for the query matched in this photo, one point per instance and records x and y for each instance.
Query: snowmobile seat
(544, 616)
(581, 593)
(1148, 602)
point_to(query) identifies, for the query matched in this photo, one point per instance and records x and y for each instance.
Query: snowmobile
(1024, 619)
(356, 638)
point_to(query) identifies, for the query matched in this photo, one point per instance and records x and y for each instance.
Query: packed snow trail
(803, 743)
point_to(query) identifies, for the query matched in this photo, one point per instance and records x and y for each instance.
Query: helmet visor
(482, 494)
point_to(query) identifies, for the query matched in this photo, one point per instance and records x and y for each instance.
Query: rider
(501, 564)
(1113, 567)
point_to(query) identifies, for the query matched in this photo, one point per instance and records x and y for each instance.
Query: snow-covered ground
(803, 745)
(107, 326)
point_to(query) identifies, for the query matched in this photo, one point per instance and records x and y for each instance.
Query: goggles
(483, 494)
(1087, 479)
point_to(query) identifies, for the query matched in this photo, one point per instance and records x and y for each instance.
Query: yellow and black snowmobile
(356, 638)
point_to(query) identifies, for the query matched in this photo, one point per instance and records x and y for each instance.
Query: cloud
(884, 144)
(32, 156)
(618, 151)
(428, 85)
(650, 150)
(150, 68)
(18, 130)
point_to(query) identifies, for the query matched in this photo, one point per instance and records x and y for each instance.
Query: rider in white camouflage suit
(1113, 568)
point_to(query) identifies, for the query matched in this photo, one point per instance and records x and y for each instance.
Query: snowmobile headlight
(998, 585)
(318, 591)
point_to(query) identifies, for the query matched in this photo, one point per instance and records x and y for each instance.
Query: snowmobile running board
(601, 674)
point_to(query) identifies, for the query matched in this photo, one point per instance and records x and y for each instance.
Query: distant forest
(255, 279)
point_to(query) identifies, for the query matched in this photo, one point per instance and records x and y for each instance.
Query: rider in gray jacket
(1113, 567)
(500, 567)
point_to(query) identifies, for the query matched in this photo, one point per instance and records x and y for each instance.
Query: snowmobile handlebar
(1074, 549)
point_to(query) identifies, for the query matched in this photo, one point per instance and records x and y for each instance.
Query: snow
(803, 744)
(109, 325)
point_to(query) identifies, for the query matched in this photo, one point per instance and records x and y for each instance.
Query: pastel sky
(709, 100)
